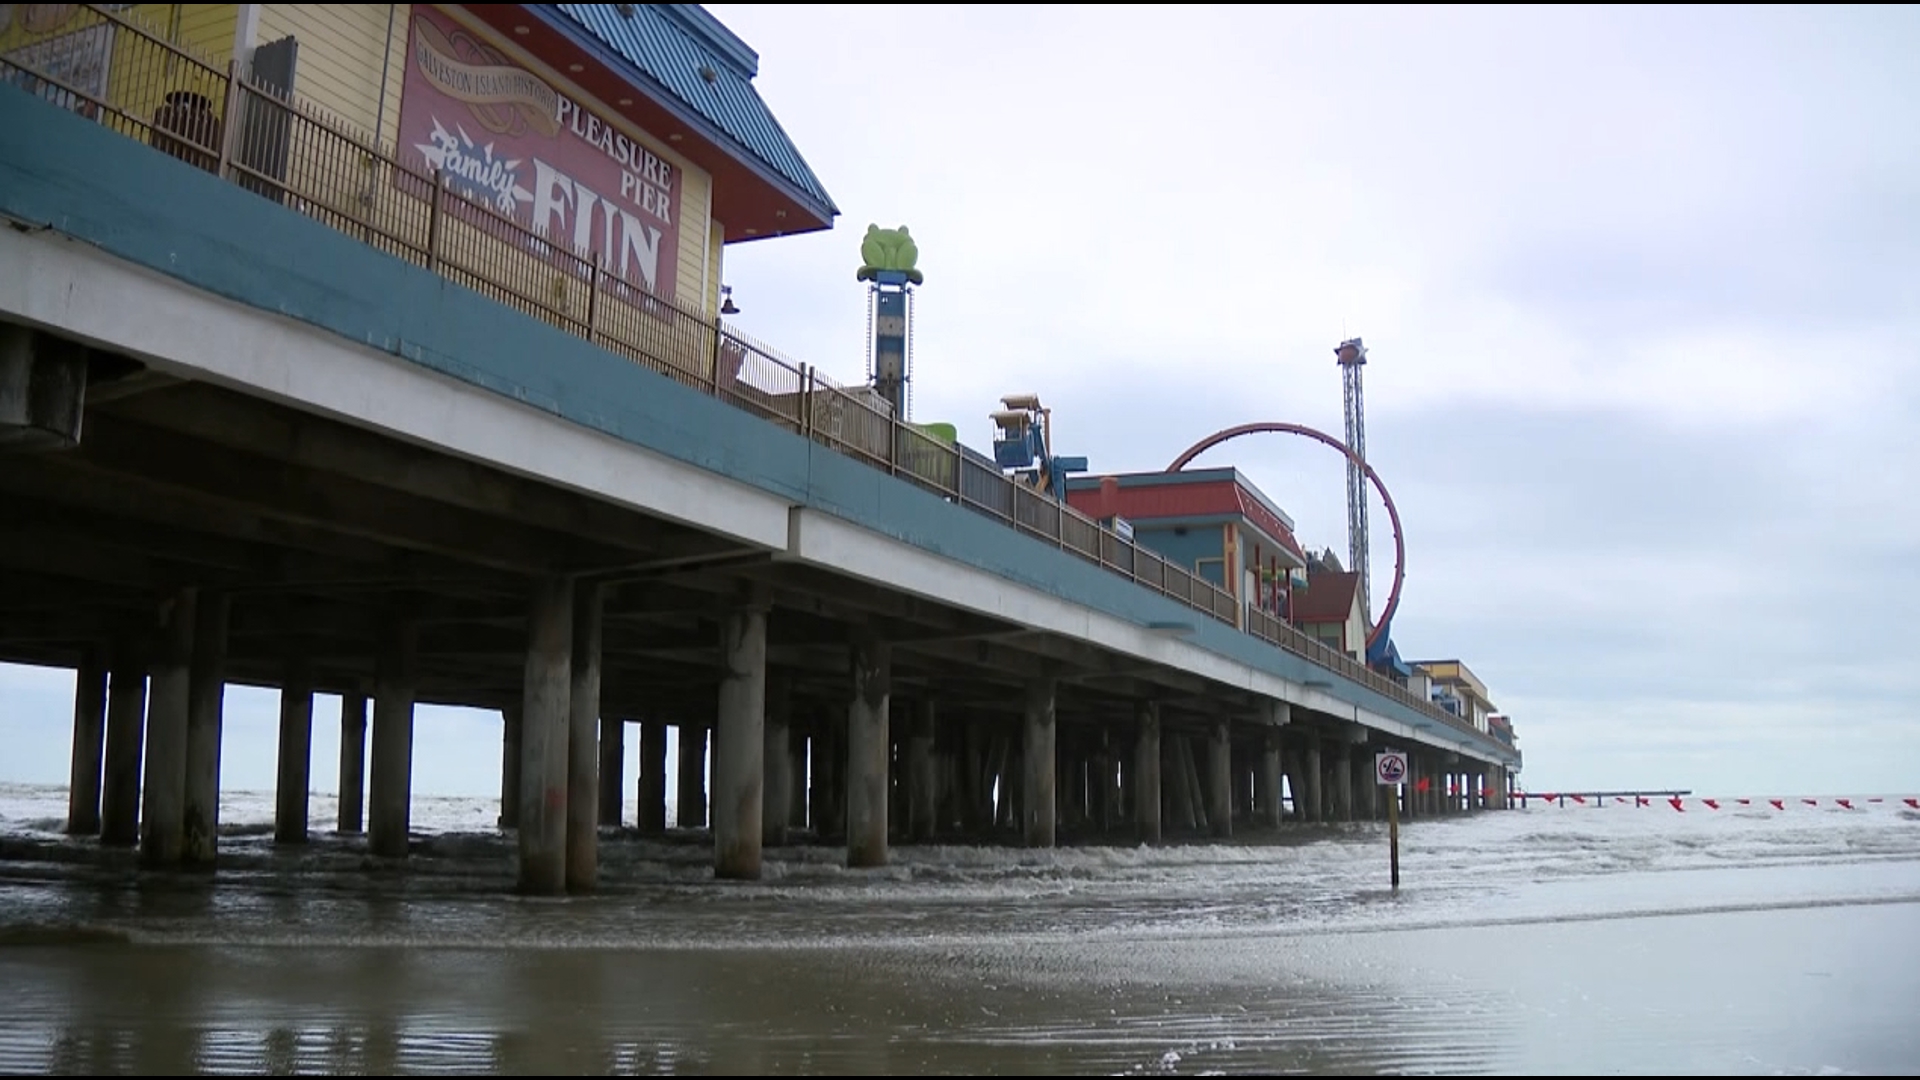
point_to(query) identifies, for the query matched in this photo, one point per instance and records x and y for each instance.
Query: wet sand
(1784, 991)
(1526, 942)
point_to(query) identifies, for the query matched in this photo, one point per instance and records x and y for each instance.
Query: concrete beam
(226, 418)
(214, 557)
(115, 502)
(134, 382)
(29, 593)
(1014, 660)
(804, 589)
(90, 560)
(43, 386)
(165, 322)
(342, 503)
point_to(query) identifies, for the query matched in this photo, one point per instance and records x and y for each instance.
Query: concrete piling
(1220, 778)
(998, 788)
(970, 784)
(583, 743)
(1107, 769)
(1037, 825)
(739, 761)
(511, 728)
(777, 754)
(612, 771)
(691, 793)
(1196, 813)
(164, 797)
(206, 708)
(1173, 797)
(867, 737)
(827, 758)
(1146, 771)
(1272, 778)
(126, 736)
(652, 781)
(546, 692)
(1366, 794)
(290, 801)
(353, 761)
(1342, 782)
(89, 743)
(923, 789)
(1315, 773)
(390, 800)
(796, 803)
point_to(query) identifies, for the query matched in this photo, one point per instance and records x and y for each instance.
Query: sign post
(1390, 769)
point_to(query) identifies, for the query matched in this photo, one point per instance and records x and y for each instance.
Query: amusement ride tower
(1351, 355)
(887, 262)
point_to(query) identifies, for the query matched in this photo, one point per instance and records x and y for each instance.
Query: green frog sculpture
(888, 251)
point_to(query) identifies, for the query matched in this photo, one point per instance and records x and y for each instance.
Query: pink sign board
(504, 137)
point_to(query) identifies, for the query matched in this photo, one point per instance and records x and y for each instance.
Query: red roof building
(1329, 610)
(1213, 522)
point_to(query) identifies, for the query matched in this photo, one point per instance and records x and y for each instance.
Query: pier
(1598, 798)
(269, 424)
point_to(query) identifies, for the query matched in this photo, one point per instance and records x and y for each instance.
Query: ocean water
(1583, 939)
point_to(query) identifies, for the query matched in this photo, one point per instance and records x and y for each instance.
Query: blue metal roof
(675, 47)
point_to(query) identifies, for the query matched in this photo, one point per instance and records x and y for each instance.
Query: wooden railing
(130, 78)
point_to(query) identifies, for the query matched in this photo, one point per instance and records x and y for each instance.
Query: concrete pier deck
(303, 462)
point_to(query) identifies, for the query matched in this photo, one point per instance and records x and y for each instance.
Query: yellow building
(1453, 686)
(628, 134)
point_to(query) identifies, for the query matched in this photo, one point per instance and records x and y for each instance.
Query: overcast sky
(1641, 290)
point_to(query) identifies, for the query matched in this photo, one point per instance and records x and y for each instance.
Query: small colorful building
(1214, 522)
(1454, 687)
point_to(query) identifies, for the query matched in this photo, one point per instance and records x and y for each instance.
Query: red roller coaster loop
(1393, 515)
